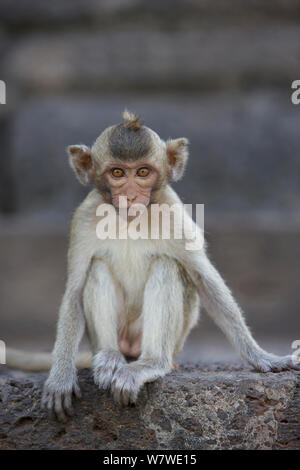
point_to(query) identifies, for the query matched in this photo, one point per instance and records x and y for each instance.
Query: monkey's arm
(62, 380)
(221, 306)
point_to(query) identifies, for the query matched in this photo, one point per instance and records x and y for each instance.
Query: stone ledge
(193, 408)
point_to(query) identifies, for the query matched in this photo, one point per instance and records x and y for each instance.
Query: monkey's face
(129, 161)
(133, 182)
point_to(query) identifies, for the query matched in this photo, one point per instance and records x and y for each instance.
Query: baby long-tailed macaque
(137, 297)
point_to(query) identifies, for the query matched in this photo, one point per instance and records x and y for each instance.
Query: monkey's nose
(127, 201)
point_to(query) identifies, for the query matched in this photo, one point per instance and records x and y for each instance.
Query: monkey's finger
(131, 393)
(68, 404)
(102, 378)
(44, 399)
(294, 364)
(105, 378)
(284, 363)
(49, 401)
(116, 392)
(77, 391)
(58, 408)
(125, 395)
(133, 397)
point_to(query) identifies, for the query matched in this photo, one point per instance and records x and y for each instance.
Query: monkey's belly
(130, 267)
(132, 279)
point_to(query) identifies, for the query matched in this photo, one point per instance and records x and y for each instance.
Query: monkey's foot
(129, 379)
(59, 400)
(105, 364)
(272, 363)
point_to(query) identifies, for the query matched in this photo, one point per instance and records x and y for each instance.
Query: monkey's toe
(285, 363)
(105, 365)
(59, 403)
(125, 386)
(273, 363)
(58, 406)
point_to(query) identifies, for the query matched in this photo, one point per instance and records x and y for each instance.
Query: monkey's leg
(223, 309)
(162, 327)
(102, 301)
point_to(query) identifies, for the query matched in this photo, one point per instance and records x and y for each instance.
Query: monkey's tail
(38, 361)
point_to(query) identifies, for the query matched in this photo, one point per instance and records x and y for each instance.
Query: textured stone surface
(244, 152)
(193, 408)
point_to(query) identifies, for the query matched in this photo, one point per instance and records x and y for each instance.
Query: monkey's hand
(105, 364)
(129, 379)
(57, 394)
(266, 362)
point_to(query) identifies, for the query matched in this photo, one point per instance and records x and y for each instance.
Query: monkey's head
(129, 160)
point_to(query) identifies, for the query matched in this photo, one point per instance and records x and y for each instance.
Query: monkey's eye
(117, 172)
(143, 171)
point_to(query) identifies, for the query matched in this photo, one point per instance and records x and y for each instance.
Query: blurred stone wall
(217, 72)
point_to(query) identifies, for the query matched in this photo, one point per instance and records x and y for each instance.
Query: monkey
(138, 299)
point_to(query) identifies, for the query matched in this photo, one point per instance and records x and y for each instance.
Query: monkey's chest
(129, 261)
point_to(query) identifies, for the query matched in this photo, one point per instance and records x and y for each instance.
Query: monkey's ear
(81, 161)
(177, 154)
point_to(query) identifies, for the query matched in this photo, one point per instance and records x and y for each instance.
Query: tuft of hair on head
(131, 121)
